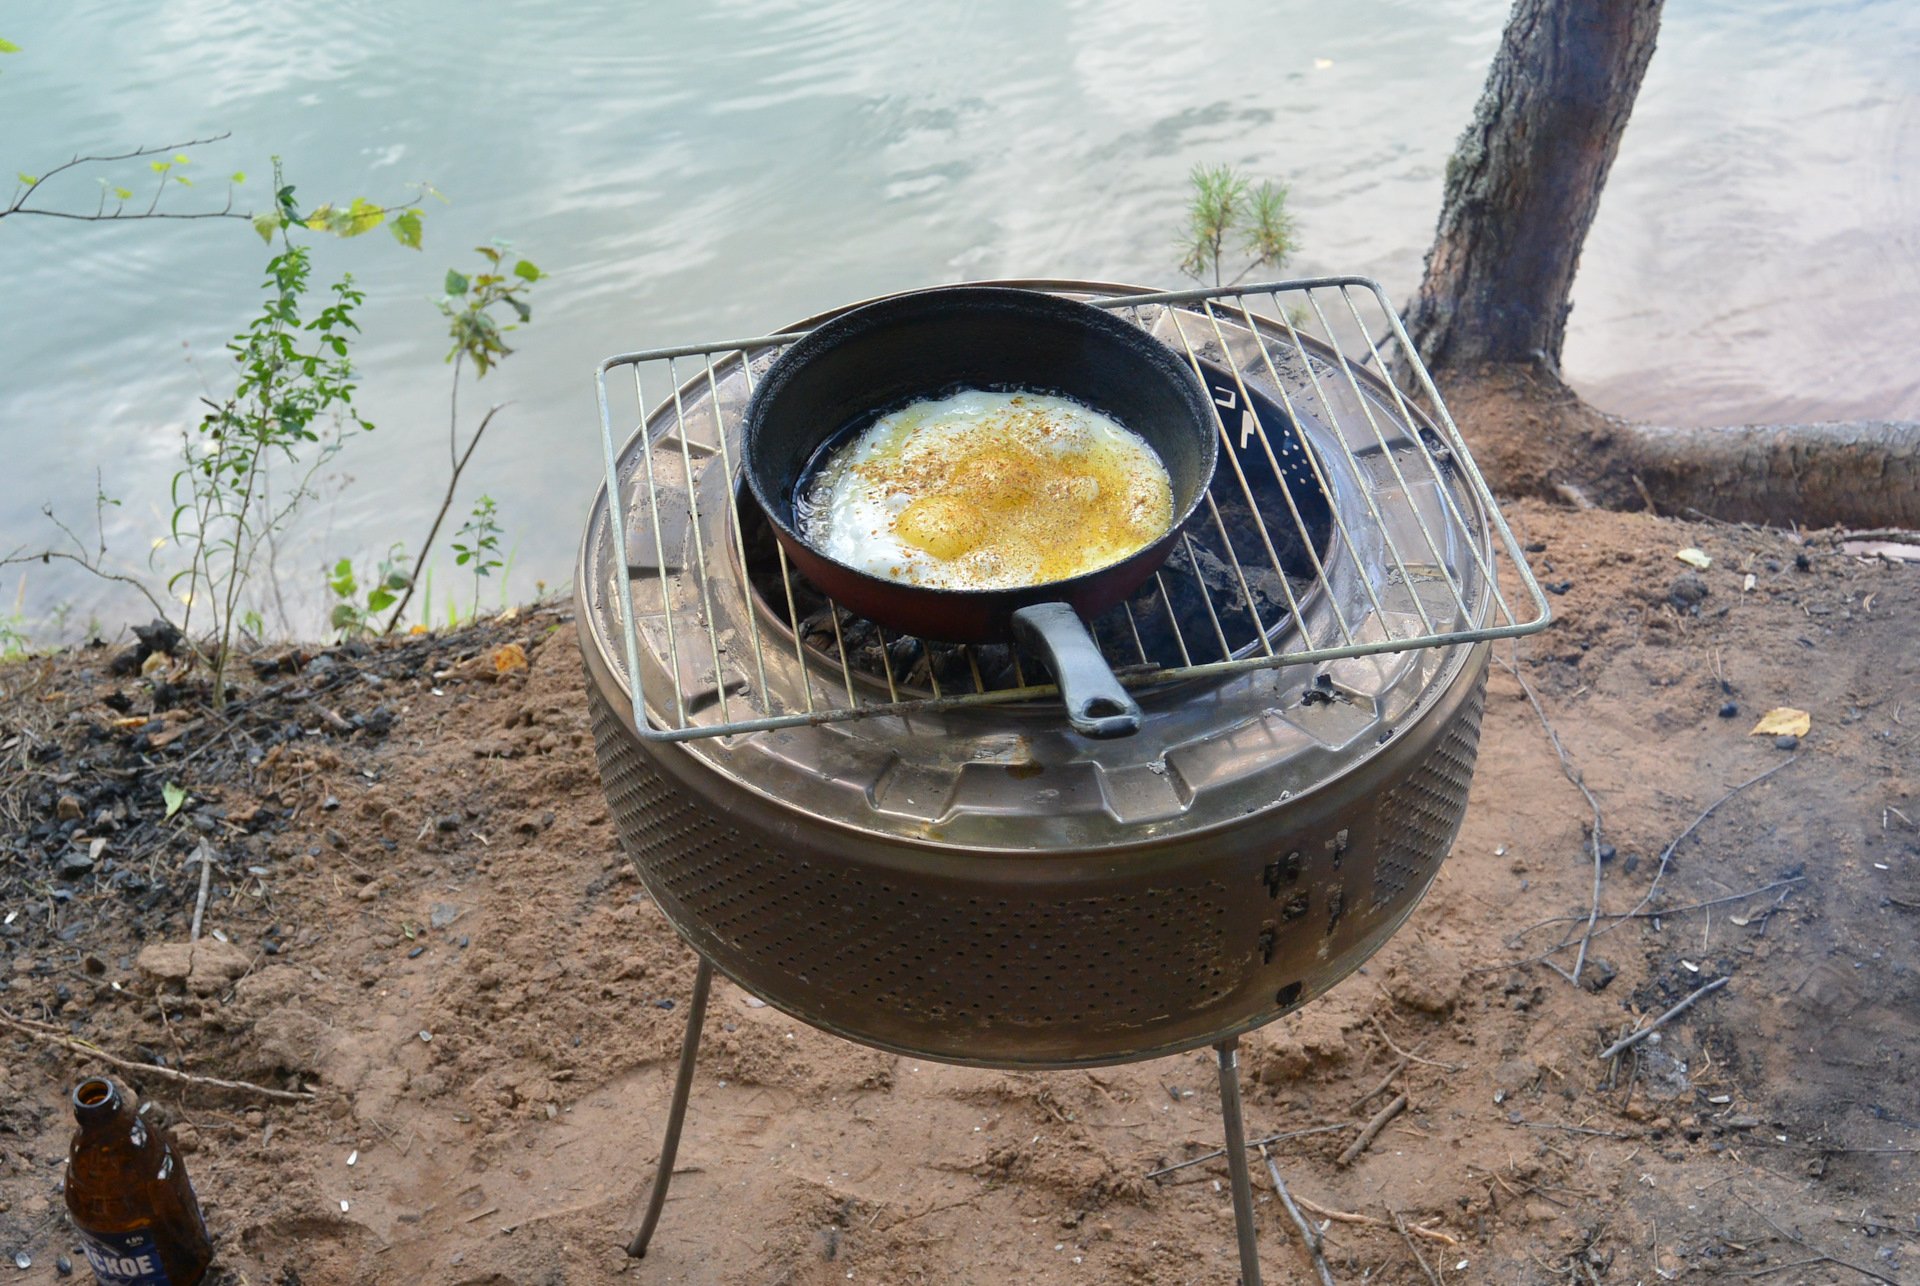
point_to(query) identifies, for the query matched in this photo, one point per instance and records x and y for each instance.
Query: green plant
(295, 379)
(1224, 206)
(468, 304)
(286, 397)
(357, 618)
(14, 643)
(481, 549)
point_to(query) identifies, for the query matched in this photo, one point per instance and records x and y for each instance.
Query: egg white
(851, 517)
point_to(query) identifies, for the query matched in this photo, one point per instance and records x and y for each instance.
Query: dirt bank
(428, 927)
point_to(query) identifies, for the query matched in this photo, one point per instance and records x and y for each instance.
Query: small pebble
(63, 1266)
(1786, 741)
(22, 1260)
(415, 953)
(663, 1004)
(1730, 710)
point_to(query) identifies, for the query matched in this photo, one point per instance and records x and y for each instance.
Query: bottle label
(124, 1259)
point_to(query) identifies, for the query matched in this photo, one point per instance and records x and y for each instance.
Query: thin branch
(228, 213)
(1412, 1055)
(1252, 1143)
(46, 554)
(1573, 775)
(1666, 855)
(446, 503)
(1372, 1130)
(51, 1036)
(1785, 883)
(1821, 1256)
(205, 855)
(1634, 1038)
(19, 203)
(1309, 1235)
(1348, 1216)
(1419, 1258)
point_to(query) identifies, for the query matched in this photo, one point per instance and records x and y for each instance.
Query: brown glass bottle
(127, 1191)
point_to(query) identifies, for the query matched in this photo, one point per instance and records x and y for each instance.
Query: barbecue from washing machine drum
(980, 883)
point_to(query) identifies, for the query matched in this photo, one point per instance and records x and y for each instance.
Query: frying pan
(833, 384)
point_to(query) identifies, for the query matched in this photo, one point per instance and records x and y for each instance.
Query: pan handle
(1097, 706)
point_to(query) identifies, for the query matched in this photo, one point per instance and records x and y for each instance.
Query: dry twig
(1418, 1258)
(1309, 1235)
(1820, 1256)
(1252, 1143)
(1412, 1055)
(73, 1044)
(204, 856)
(1573, 775)
(1372, 1130)
(1386, 1081)
(1353, 1217)
(1666, 855)
(1634, 1038)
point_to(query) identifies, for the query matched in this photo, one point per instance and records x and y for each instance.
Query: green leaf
(181, 178)
(266, 225)
(344, 617)
(181, 158)
(520, 306)
(526, 271)
(379, 600)
(363, 216)
(406, 228)
(238, 176)
(124, 194)
(175, 797)
(28, 179)
(398, 580)
(159, 167)
(318, 219)
(456, 283)
(8, 47)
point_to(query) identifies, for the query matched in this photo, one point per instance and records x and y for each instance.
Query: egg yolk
(1036, 491)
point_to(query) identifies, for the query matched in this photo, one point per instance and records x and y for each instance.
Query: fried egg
(988, 490)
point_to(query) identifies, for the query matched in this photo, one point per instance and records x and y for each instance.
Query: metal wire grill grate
(1346, 519)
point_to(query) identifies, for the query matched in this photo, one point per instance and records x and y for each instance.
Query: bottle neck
(96, 1101)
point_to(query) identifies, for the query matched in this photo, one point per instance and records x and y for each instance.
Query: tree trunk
(1524, 181)
(1491, 312)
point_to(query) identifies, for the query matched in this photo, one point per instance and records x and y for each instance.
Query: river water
(687, 172)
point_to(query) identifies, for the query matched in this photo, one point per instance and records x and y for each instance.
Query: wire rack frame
(1314, 352)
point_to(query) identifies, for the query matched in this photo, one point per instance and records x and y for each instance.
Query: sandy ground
(433, 932)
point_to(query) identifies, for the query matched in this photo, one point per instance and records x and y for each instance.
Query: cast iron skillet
(839, 379)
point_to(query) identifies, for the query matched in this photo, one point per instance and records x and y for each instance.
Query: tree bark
(1533, 436)
(1525, 179)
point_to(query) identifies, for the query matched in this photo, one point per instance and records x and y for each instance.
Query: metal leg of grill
(677, 1113)
(1236, 1131)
